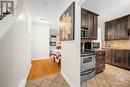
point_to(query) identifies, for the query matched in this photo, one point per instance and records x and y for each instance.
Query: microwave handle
(86, 33)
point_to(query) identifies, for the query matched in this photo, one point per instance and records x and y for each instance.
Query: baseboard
(28, 71)
(24, 80)
(67, 79)
(39, 59)
(22, 83)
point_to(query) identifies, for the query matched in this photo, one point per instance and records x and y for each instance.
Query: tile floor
(54, 80)
(111, 77)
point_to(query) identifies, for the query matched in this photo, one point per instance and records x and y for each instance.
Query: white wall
(100, 33)
(70, 52)
(15, 58)
(7, 21)
(40, 42)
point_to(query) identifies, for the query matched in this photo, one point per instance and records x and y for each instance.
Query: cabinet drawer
(100, 57)
(100, 68)
(100, 62)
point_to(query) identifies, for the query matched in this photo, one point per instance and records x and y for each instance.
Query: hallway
(42, 68)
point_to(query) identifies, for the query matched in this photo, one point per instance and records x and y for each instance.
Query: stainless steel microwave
(84, 32)
(91, 45)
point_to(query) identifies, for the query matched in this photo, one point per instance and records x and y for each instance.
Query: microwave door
(82, 33)
(86, 33)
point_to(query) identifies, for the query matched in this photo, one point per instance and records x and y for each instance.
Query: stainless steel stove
(87, 65)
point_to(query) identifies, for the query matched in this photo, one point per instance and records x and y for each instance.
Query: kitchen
(105, 39)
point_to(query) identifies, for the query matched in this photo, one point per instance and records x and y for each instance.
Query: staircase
(4, 15)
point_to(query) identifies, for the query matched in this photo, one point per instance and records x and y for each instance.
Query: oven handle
(88, 55)
(90, 71)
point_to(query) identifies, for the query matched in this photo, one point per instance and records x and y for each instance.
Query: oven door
(88, 74)
(87, 62)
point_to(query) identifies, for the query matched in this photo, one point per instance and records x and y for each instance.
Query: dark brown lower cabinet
(127, 64)
(108, 56)
(119, 58)
(100, 61)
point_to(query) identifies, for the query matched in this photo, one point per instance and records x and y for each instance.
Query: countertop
(116, 49)
(99, 50)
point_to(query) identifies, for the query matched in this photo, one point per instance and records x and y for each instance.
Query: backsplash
(120, 44)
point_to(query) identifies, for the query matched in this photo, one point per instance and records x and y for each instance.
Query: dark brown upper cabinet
(129, 23)
(117, 29)
(89, 20)
(83, 19)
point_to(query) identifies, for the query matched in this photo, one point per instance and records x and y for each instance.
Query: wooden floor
(42, 68)
(111, 77)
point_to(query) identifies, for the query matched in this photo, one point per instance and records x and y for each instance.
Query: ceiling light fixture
(42, 19)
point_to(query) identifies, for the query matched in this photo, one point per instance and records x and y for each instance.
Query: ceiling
(52, 9)
(49, 9)
(108, 9)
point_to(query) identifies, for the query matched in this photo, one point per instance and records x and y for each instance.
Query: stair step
(2, 16)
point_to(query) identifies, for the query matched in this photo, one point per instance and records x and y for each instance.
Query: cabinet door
(121, 59)
(112, 35)
(127, 61)
(110, 30)
(128, 22)
(109, 56)
(124, 58)
(89, 20)
(95, 26)
(90, 24)
(118, 58)
(106, 30)
(123, 29)
(83, 19)
(117, 29)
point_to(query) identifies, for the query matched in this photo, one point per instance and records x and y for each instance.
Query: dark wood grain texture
(89, 20)
(119, 58)
(100, 61)
(117, 29)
